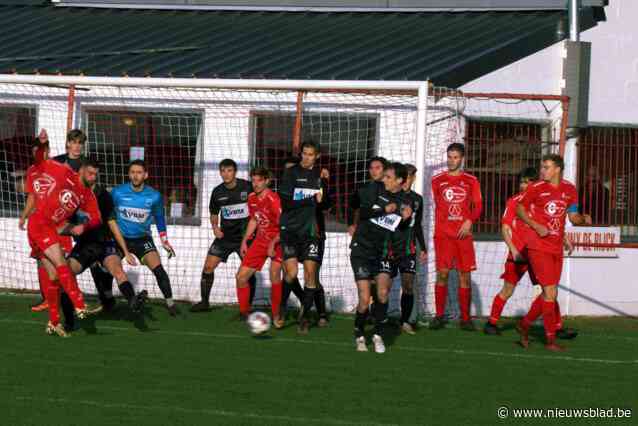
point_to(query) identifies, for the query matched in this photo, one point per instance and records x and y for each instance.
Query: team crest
(455, 194)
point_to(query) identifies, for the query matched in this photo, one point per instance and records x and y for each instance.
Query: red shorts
(514, 272)
(547, 267)
(258, 253)
(452, 253)
(43, 234)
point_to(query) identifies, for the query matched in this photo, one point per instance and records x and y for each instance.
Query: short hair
(556, 159)
(310, 144)
(35, 142)
(140, 163)
(400, 170)
(260, 171)
(528, 173)
(90, 162)
(458, 147)
(380, 159)
(76, 135)
(227, 162)
(411, 168)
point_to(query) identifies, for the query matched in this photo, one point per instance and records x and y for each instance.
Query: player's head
(376, 167)
(291, 161)
(528, 175)
(36, 144)
(227, 170)
(411, 169)
(552, 167)
(394, 177)
(309, 154)
(88, 172)
(260, 177)
(75, 140)
(455, 155)
(137, 173)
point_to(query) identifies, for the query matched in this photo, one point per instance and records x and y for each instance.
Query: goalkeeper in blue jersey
(137, 206)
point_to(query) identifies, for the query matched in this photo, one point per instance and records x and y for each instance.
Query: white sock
(169, 302)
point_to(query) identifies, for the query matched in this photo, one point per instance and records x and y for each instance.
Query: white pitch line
(212, 412)
(400, 348)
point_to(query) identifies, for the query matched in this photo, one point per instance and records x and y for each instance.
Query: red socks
(275, 298)
(465, 299)
(53, 299)
(559, 319)
(549, 320)
(535, 311)
(243, 296)
(70, 286)
(440, 299)
(497, 309)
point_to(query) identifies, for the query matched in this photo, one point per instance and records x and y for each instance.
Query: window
(608, 176)
(17, 129)
(496, 152)
(168, 143)
(346, 142)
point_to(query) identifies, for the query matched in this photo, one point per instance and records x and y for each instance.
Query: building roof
(450, 48)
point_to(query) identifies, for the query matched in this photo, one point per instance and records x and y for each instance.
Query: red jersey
(518, 227)
(265, 209)
(59, 193)
(456, 199)
(548, 205)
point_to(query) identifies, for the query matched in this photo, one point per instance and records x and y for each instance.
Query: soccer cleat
(172, 310)
(360, 342)
(467, 325)
(437, 323)
(94, 310)
(407, 328)
(566, 333)
(553, 347)
(57, 329)
(82, 313)
(200, 307)
(137, 303)
(303, 327)
(523, 330)
(379, 346)
(323, 322)
(278, 323)
(42, 306)
(491, 330)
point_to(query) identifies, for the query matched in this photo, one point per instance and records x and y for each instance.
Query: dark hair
(140, 163)
(400, 171)
(458, 147)
(556, 159)
(380, 159)
(36, 143)
(227, 162)
(260, 171)
(529, 173)
(76, 135)
(90, 162)
(292, 159)
(411, 168)
(309, 144)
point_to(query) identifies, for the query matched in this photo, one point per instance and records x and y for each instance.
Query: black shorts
(140, 247)
(89, 253)
(364, 266)
(404, 265)
(223, 248)
(303, 250)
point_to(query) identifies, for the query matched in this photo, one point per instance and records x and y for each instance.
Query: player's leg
(206, 284)
(55, 255)
(443, 260)
(466, 261)
(104, 285)
(320, 294)
(407, 301)
(153, 262)
(361, 315)
(42, 283)
(291, 282)
(243, 290)
(275, 292)
(113, 264)
(52, 291)
(384, 284)
(310, 288)
(498, 304)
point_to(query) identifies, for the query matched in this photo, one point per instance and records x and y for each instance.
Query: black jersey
(324, 205)
(355, 203)
(74, 163)
(103, 232)
(299, 205)
(232, 205)
(375, 225)
(404, 239)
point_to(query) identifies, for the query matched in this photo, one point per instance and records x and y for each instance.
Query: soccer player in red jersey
(58, 194)
(544, 207)
(458, 204)
(264, 209)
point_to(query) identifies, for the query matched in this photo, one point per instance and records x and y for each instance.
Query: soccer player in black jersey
(376, 167)
(97, 248)
(382, 210)
(229, 217)
(405, 243)
(301, 191)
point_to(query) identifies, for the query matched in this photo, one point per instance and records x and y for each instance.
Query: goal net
(183, 134)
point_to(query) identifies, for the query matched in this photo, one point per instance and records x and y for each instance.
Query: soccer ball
(258, 322)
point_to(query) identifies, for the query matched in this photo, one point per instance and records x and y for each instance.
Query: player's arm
(418, 231)
(119, 239)
(160, 222)
(27, 210)
(89, 206)
(326, 202)
(286, 192)
(522, 212)
(369, 208)
(567, 245)
(250, 231)
(476, 210)
(576, 218)
(214, 210)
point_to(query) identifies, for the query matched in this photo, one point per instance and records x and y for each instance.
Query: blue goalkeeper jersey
(136, 211)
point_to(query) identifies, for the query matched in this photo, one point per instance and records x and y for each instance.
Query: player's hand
(217, 231)
(130, 259)
(169, 248)
(325, 174)
(466, 229)
(319, 196)
(541, 230)
(77, 230)
(423, 256)
(406, 212)
(43, 136)
(352, 229)
(391, 208)
(21, 223)
(568, 246)
(243, 249)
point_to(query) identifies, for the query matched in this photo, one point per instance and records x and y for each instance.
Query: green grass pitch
(206, 369)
